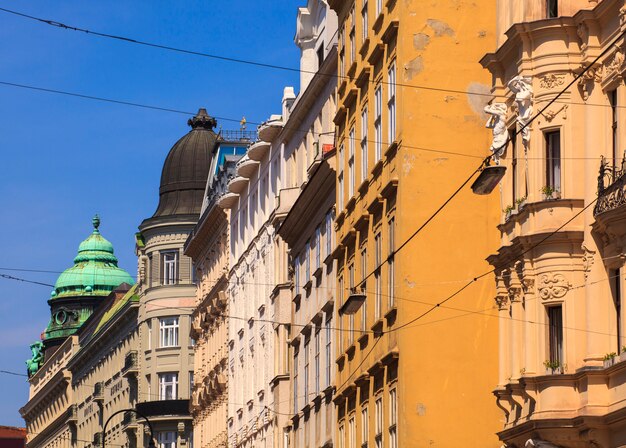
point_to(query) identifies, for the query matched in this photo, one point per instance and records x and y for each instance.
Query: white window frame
(168, 386)
(393, 418)
(167, 439)
(340, 192)
(378, 436)
(377, 277)
(364, 427)
(364, 146)
(351, 169)
(364, 288)
(295, 381)
(391, 102)
(364, 21)
(391, 260)
(169, 260)
(351, 433)
(378, 123)
(329, 353)
(379, 7)
(306, 371)
(168, 331)
(317, 361)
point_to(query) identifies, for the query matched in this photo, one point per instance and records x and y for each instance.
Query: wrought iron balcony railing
(611, 186)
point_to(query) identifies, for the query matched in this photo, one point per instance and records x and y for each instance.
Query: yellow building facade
(560, 267)
(410, 131)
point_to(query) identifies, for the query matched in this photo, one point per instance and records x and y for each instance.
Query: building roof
(95, 272)
(186, 168)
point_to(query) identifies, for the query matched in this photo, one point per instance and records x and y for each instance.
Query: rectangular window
(513, 167)
(555, 325)
(553, 160)
(340, 297)
(364, 427)
(364, 146)
(616, 290)
(342, 52)
(149, 334)
(318, 248)
(167, 439)
(614, 134)
(377, 280)
(378, 436)
(329, 234)
(296, 274)
(340, 191)
(364, 20)
(378, 123)
(364, 288)
(295, 382)
(317, 362)
(391, 102)
(379, 7)
(328, 352)
(352, 45)
(307, 261)
(552, 8)
(342, 437)
(351, 173)
(169, 261)
(351, 316)
(190, 384)
(351, 433)
(168, 386)
(168, 329)
(391, 261)
(306, 372)
(393, 419)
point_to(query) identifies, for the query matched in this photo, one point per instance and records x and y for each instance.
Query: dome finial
(96, 223)
(202, 120)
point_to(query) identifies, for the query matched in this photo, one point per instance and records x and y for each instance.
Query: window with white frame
(377, 280)
(328, 352)
(167, 439)
(307, 262)
(351, 316)
(393, 419)
(364, 288)
(351, 173)
(329, 233)
(352, 37)
(168, 386)
(340, 191)
(340, 297)
(390, 260)
(318, 248)
(168, 331)
(391, 102)
(378, 123)
(190, 384)
(296, 274)
(364, 427)
(378, 436)
(149, 323)
(169, 261)
(379, 7)
(306, 371)
(342, 50)
(342, 437)
(317, 361)
(295, 382)
(364, 146)
(364, 21)
(351, 433)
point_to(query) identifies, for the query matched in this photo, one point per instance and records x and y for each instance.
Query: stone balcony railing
(611, 187)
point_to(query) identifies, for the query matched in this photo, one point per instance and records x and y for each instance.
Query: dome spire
(202, 120)
(96, 223)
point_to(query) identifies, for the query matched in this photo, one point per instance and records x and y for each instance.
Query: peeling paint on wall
(407, 164)
(420, 409)
(420, 41)
(478, 102)
(440, 28)
(413, 67)
(409, 283)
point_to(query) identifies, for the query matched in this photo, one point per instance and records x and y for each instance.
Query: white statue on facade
(523, 90)
(538, 443)
(497, 123)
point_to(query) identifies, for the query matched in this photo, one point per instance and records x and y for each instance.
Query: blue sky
(65, 159)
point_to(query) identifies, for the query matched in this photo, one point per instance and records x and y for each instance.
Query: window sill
(391, 149)
(169, 347)
(364, 47)
(307, 286)
(318, 272)
(390, 316)
(377, 328)
(351, 350)
(363, 339)
(377, 169)
(365, 185)
(378, 23)
(340, 361)
(352, 70)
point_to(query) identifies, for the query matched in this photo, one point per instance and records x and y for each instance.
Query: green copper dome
(95, 271)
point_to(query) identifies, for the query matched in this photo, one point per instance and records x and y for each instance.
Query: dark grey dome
(186, 169)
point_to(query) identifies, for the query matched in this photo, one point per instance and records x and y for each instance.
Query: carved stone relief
(588, 259)
(613, 66)
(551, 81)
(502, 301)
(553, 286)
(588, 80)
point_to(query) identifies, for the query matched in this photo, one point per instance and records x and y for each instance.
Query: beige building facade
(208, 247)
(559, 269)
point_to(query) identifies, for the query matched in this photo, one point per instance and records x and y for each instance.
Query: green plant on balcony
(521, 202)
(549, 192)
(507, 211)
(609, 359)
(553, 366)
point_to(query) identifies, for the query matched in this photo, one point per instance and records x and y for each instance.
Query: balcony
(72, 414)
(237, 184)
(258, 150)
(98, 392)
(286, 198)
(163, 408)
(129, 422)
(247, 167)
(271, 128)
(611, 195)
(228, 200)
(131, 364)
